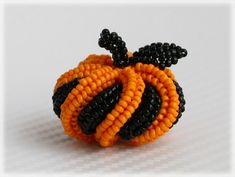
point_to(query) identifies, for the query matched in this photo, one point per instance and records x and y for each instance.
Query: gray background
(43, 41)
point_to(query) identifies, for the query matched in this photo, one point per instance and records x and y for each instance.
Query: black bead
(174, 52)
(162, 66)
(166, 46)
(135, 54)
(105, 31)
(159, 44)
(121, 45)
(105, 36)
(172, 45)
(168, 63)
(114, 36)
(101, 42)
(174, 60)
(141, 52)
(153, 47)
(184, 52)
(114, 51)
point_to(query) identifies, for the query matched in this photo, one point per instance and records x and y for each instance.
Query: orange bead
(122, 118)
(98, 73)
(173, 112)
(106, 135)
(130, 109)
(138, 93)
(72, 108)
(155, 122)
(84, 94)
(71, 96)
(93, 86)
(115, 128)
(172, 93)
(111, 131)
(110, 117)
(79, 98)
(154, 81)
(83, 82)
(87, 73)
(88, 90)
(123, 103)
(174, 105)
(160, 116)
(149, 78)
(163, 127)
(165, 98)
(167, 122)
(127, 114)
(129, 93)
(149, 68)
(147, 136)
(164, 104)
(75, 103)
(142, 139)
(119, 108)
(98, 82)
(152, 133)
(93, 76)
(174, 98)
(126, 98)
(135, 104)
(103, 79)
(131, 87)
(171, 117)
(89, 80)
(138, 66)
(115, 113)
(163, 78)
(104, 143)
(163, 111)
(118, 123)
(68, 112)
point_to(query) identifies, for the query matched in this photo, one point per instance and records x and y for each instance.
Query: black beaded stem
(61, 94)
(98, 108)
(115, 44)
(179, 90)
(159, 54)
(144, 115)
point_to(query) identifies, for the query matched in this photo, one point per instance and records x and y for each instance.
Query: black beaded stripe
(144, 115)
(98, 108)
(179, 90)
(115, 44)
(159, 54)
(61, 94)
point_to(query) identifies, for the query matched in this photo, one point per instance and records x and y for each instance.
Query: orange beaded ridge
(130, 97)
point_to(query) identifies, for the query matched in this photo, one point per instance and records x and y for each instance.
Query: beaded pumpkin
(130, 97)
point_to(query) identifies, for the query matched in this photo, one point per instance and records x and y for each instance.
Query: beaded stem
(115, 44)
(159, 54)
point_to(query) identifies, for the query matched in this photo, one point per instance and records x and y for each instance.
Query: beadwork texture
(133, 97)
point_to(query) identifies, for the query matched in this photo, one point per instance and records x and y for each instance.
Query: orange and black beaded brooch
(132, 97)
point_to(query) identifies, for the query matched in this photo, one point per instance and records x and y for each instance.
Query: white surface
(44, 41)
